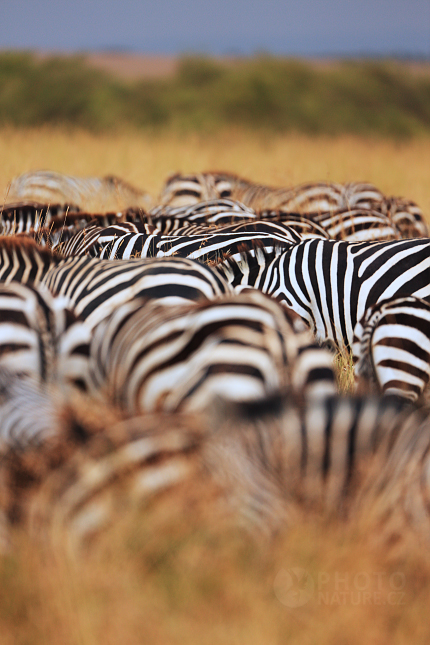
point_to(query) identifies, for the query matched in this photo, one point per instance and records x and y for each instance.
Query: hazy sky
(219, 26)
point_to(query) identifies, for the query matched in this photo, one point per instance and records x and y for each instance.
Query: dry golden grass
(396, 168)
(172, 574)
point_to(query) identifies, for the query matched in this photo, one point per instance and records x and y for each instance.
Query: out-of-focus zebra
(356, 458)
(185, 190)
(307, 199)
(49, 187)
(353, 458)
(96, 287)
(41, 338)
(316, 197)
(324, 197)
(391, 347)
(212, 212)
(29, 414)
(406, 216)
(26, 217)
(147, 357)
(331, 284)
(91, 471)
(357, 225)
(350, 225)
(23, 260)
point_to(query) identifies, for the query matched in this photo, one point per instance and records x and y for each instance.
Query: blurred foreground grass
(177, 572)
(260, 94)
(183, 576)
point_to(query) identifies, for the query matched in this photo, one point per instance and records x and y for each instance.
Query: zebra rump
(41, 338)
(345, 456)
(147, 357)
(29, 414)
(391, 347)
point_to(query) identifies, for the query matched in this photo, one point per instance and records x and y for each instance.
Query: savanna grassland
(176, 573)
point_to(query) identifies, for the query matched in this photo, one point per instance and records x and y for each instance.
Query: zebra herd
(193, 340)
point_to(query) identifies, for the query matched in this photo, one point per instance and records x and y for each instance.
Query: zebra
(345, 456)
(391, 347)
(348, 457)
(352, 226)
(209, 212)
(314, 197)
(149, 357)
(309, 200)
(29, 414)
(54, 188)
(407, 216)
(331, 284)
(24, 217)
(96, 287)
(295, 230)
(41, 338)
(357, 225)
(51, 225)
(111, 243)
(80, 242)
(185, 190)
(23, 260)
(318, 200)
(78, 483)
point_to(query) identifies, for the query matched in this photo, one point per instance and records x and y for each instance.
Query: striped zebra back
(25, 217)
(358, 225)
(391, 347)
(97, 287)
(331, 284)
(208, 248)
(349, 225)
(213, 212)
(305, 226)
(94, 235)
(23, 260)
(278, 230)
(147, 357)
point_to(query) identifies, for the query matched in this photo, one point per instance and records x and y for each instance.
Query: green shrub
(261, 93)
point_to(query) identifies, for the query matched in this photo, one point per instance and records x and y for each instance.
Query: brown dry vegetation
(175, 572)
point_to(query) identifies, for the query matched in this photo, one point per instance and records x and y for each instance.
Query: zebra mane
(253, 253)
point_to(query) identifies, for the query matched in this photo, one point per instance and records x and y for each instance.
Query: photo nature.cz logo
(295, 587)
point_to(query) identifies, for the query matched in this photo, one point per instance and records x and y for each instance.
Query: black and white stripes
(331, 284)
(392, 347)
(181, 358)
